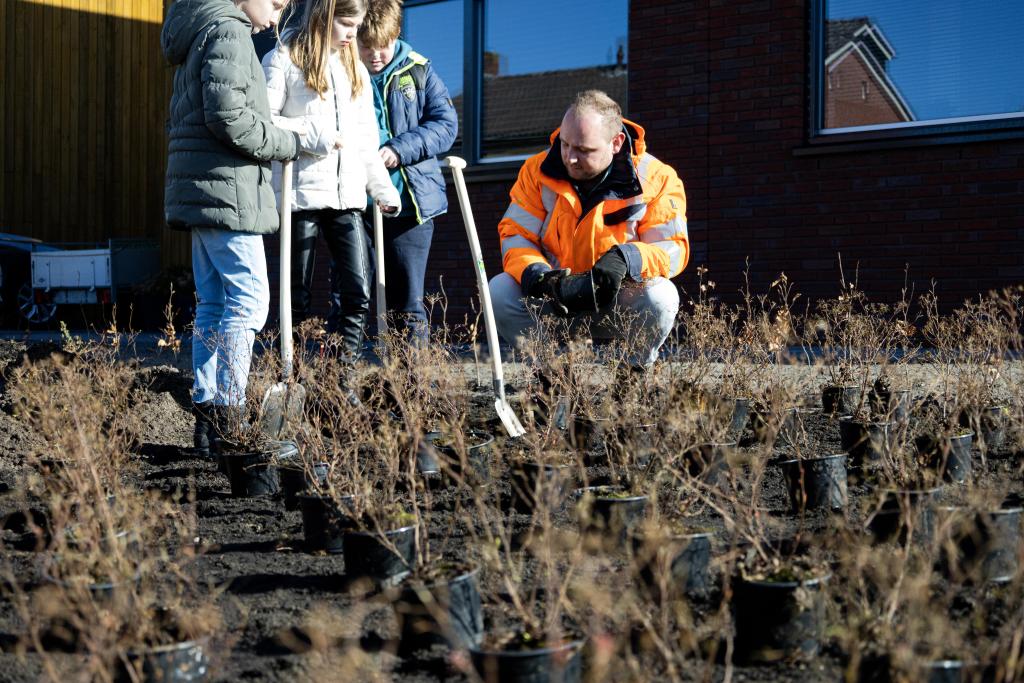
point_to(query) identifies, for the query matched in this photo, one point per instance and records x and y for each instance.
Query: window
(916, 66)
(435, 30)
(512, 74)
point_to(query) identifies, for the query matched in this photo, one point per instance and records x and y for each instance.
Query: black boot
(203, 432)
(351, 281)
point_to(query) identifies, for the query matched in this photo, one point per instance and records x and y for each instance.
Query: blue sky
(531, 35)
(953, 57)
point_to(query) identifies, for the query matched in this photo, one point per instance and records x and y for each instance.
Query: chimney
(492, 63)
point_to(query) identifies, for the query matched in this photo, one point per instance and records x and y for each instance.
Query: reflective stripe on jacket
(640, 208)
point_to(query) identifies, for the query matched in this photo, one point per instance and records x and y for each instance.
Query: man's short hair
(598, 102)
(382, 24)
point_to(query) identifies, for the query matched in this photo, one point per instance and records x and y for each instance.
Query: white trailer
(91, 275)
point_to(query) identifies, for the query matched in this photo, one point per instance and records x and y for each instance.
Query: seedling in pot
(779, 608)
(439, 604)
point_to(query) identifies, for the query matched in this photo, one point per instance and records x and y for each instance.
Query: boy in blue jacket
(417, 123)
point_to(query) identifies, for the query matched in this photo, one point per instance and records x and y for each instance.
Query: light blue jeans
(643, 315)
(233, 293)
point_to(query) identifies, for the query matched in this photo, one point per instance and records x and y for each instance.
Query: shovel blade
(508, 418)
(282, 406)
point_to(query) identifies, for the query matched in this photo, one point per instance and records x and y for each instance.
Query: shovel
(282, 404)
(501, 405)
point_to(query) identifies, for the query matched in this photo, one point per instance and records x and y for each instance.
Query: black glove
(575, 294)
(609, 271)
(544, 285)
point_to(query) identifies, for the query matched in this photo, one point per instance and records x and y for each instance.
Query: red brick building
(724, 89)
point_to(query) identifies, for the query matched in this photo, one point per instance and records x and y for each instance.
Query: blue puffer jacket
(421, 125)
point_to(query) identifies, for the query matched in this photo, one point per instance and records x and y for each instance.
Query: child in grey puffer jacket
(221, 143)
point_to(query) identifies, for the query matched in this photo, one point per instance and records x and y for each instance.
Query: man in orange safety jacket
(596, 226)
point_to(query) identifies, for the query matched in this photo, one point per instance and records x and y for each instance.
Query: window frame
(481, 168)
(979, 128)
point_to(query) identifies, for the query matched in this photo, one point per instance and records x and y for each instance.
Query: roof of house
(534, 103)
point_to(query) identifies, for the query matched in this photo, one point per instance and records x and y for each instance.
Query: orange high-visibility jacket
(641, 205)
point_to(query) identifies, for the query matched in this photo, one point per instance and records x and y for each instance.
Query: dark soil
(267, 584)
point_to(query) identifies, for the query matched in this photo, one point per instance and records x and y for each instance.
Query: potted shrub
(673, 559)
(539, 475)
(868, 442)
(779, 607)
(902, 509)
(979, 543)
(381, 540)
(945, 445)
(523, 657)
(439, 603)
(609, 513)
(815, 482)
(891, 400)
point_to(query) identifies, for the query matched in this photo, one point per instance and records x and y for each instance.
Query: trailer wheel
(36, 314)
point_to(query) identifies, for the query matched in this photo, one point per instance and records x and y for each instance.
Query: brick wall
(721, 88)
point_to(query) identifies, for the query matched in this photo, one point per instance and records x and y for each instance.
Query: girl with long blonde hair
(319, 88)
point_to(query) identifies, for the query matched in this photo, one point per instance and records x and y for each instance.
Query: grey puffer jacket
(221, 139)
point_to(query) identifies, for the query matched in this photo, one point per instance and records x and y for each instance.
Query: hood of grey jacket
(186, 18)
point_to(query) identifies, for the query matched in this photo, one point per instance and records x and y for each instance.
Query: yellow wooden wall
(84, 91)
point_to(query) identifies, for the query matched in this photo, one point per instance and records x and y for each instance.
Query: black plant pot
(674, 565)
(588, 434)
(949, 455)
(473, 469)
(786, 430)
(444, 613)
(837, 401)
(989, 425)
(709, 462)
(636, 443)
(601, 511)
(325, 521)
(778, 620)
(560, 664)
(184, 662)
(816, 483)
(295, 479)
(367, 555)
(534, 485)
(979, 546)
(943, 671)
(866, 442)
(891, 406)
(900, 514)
(878, 669)
(255, 473)
(740, 417)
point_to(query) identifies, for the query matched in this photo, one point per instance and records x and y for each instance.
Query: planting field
(696, 553)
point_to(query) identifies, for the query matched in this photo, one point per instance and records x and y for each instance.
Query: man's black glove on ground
(609, 272)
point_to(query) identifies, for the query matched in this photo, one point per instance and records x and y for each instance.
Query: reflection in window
(893, 64)
(435, 31)
(532, 68)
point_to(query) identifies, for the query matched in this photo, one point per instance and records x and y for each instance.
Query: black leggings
(350, 276)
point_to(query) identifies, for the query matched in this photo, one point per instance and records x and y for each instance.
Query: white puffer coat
(325, 177)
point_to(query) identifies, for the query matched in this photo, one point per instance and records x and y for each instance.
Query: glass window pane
(537, 55)
(435, 31)
(921, 61)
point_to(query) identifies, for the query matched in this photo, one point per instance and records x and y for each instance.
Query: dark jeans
(406, 247)
(351, 274)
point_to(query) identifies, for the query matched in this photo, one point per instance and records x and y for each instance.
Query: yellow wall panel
(83, 102)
